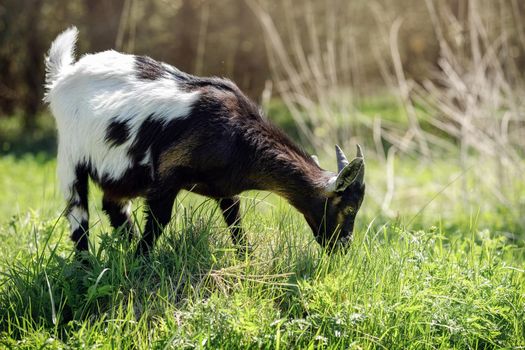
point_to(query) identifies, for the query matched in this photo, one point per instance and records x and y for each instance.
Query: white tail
(60, 55)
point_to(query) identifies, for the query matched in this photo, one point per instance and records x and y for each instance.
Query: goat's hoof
(142, 251)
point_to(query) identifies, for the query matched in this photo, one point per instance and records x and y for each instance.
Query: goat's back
(102, 92)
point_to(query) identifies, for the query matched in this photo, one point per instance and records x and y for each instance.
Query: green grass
(446, 280)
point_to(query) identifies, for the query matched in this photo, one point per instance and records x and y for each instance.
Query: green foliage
(453, 285)
(17, 141)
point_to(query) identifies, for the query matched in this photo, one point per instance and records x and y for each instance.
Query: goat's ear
(350, 173)
(353, 173)
(316, 160)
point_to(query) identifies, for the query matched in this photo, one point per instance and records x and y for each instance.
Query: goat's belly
(135, 182)
(120, 174)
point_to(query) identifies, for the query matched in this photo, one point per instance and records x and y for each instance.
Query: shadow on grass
(54, 292)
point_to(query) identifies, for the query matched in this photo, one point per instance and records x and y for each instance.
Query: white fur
(76, 216)
(86, 95)
(147, 160)
(126, 209)
(331, 184)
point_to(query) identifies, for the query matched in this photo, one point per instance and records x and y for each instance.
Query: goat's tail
(60, 55)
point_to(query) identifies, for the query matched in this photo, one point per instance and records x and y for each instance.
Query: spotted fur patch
(117, 132)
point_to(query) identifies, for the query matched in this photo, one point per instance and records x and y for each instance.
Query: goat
(141, 128)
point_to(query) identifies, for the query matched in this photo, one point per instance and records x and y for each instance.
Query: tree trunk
(34, 65)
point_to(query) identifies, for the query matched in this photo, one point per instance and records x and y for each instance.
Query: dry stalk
(469, 111)
(311, 72)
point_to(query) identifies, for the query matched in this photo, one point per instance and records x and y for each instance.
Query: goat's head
(344, 194)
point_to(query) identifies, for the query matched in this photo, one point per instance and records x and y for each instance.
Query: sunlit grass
(453, 283)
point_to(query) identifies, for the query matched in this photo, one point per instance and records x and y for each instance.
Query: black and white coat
(141, 128)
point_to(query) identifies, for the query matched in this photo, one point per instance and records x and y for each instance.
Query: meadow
(425, 269)
(432, 90)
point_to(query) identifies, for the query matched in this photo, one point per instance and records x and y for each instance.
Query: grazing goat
(142, 128)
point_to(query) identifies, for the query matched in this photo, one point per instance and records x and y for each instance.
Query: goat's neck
(296, 178)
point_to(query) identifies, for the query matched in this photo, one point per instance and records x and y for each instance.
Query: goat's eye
(348, 211)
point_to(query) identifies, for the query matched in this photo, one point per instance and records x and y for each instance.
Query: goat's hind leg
(119, 213)
(75, 188)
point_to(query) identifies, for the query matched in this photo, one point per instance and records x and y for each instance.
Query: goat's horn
(360, 178)
(341, 158)
(359, 153)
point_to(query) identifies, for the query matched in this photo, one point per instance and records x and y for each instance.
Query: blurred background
(433, 89)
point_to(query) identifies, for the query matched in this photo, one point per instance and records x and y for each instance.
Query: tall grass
(405, 289)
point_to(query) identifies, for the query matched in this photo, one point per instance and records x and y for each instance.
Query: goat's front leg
(231, 212)
(74, 181)
(119, 213)
(158, 216)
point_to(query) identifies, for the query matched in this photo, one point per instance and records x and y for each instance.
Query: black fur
(133, 183)
(148, 134)
(158, 216)
(117, 132)
(80, 187)
(148, 69)
(117, 216)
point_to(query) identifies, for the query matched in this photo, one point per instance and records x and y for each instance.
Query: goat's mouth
(341, 245)
(344, 242)
(336, 242)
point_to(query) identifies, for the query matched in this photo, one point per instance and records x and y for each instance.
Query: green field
(434, 274)
(434, 92)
